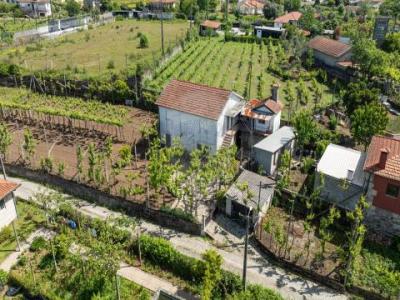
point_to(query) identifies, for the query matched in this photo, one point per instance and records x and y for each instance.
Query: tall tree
(358, 94)
(305, 129)
(5, 139)
(212, 273)
(367, 121)
(29, 145)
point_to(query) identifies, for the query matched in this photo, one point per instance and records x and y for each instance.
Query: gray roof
(277, 140)
(253, 180)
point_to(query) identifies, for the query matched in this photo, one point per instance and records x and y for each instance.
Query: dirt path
(260, 269)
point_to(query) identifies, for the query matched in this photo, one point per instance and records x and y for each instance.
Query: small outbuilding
(261, 190)
(343, 176)
(209, 27)
(268, 31)
(267, 152)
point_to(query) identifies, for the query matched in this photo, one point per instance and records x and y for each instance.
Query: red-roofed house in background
(290, 18)
(383, 165)
(199, 115)
(250, 7)
(8, 212)
(209, 27)
(333, 56)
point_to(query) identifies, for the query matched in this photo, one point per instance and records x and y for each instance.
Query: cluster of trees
(194, 184)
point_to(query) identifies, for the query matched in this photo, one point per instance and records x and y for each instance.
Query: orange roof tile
(272, 105)
(328, 46)
(392, 167)
(211, 24)
(252, 3)
(292, 16)
(6, 187)
(195, 99)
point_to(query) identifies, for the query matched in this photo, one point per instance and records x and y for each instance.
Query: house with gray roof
(340, 176)
(267, 152)
(261, 190)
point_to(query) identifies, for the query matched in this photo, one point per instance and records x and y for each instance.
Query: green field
(227, 65)
(113, 46)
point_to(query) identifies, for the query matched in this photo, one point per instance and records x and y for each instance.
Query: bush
(256, 292)
(38, 243)
(3, 278)
(307, 163)
(143, 41)
(332, 123)
(110, 65)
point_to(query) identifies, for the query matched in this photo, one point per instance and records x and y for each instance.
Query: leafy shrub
(38, 243)
(143, 41)
(332, 123)
(46, 261)
(22, 261)
(3, 278)
(110, 65)
(6, 234)
(255, 292)
(46, 164)
(307, 163)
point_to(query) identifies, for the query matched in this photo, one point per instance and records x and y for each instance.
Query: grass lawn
(98, 50)
(29, 219)
(394, 124)
(227, 65)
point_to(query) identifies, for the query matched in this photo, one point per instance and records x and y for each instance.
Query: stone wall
(383, 221)
(102, 198)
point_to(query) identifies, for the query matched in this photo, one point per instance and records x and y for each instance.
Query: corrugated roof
(392, 167)
(328, 46)
(6, 187)
(211, 24)
(277, 140)
(195, 99)
(253, 180)
(337, 161)
(292, 16)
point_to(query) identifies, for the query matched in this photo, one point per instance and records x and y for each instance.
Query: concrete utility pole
(246, 243)
(162, 28)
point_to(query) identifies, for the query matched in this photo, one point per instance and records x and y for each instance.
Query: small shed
(262, 191)
(209, 27)
(268, 31)
(343, 176)
(267, 152)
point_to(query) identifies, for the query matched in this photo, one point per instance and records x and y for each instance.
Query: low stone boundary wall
(102, 198)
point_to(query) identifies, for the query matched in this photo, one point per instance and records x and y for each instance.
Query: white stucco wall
(191, 129)
(8, 213)
(276, 122)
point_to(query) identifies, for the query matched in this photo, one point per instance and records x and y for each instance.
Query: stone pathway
(13, 257)
(151, 282)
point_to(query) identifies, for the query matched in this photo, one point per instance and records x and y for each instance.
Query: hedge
(160, 252)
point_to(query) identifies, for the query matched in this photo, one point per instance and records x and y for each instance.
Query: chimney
(383, 158)
(275, 91)
(350, 175)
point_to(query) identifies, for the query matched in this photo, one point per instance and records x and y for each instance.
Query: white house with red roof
(263, 116)
(198, 115)
(289, 18)
(250, 7)
(8, 212)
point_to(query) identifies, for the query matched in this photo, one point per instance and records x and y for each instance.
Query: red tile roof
(272, 105)
(292, 16)
(6, 187)
(392, 167)
(195, 99)
(252, 4)
(328, 46)
(211, 24)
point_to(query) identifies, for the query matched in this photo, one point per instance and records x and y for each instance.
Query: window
(261, 121)
(2, 204)
(392, 190)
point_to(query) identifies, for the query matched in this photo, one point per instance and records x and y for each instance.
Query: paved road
(260, 270)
